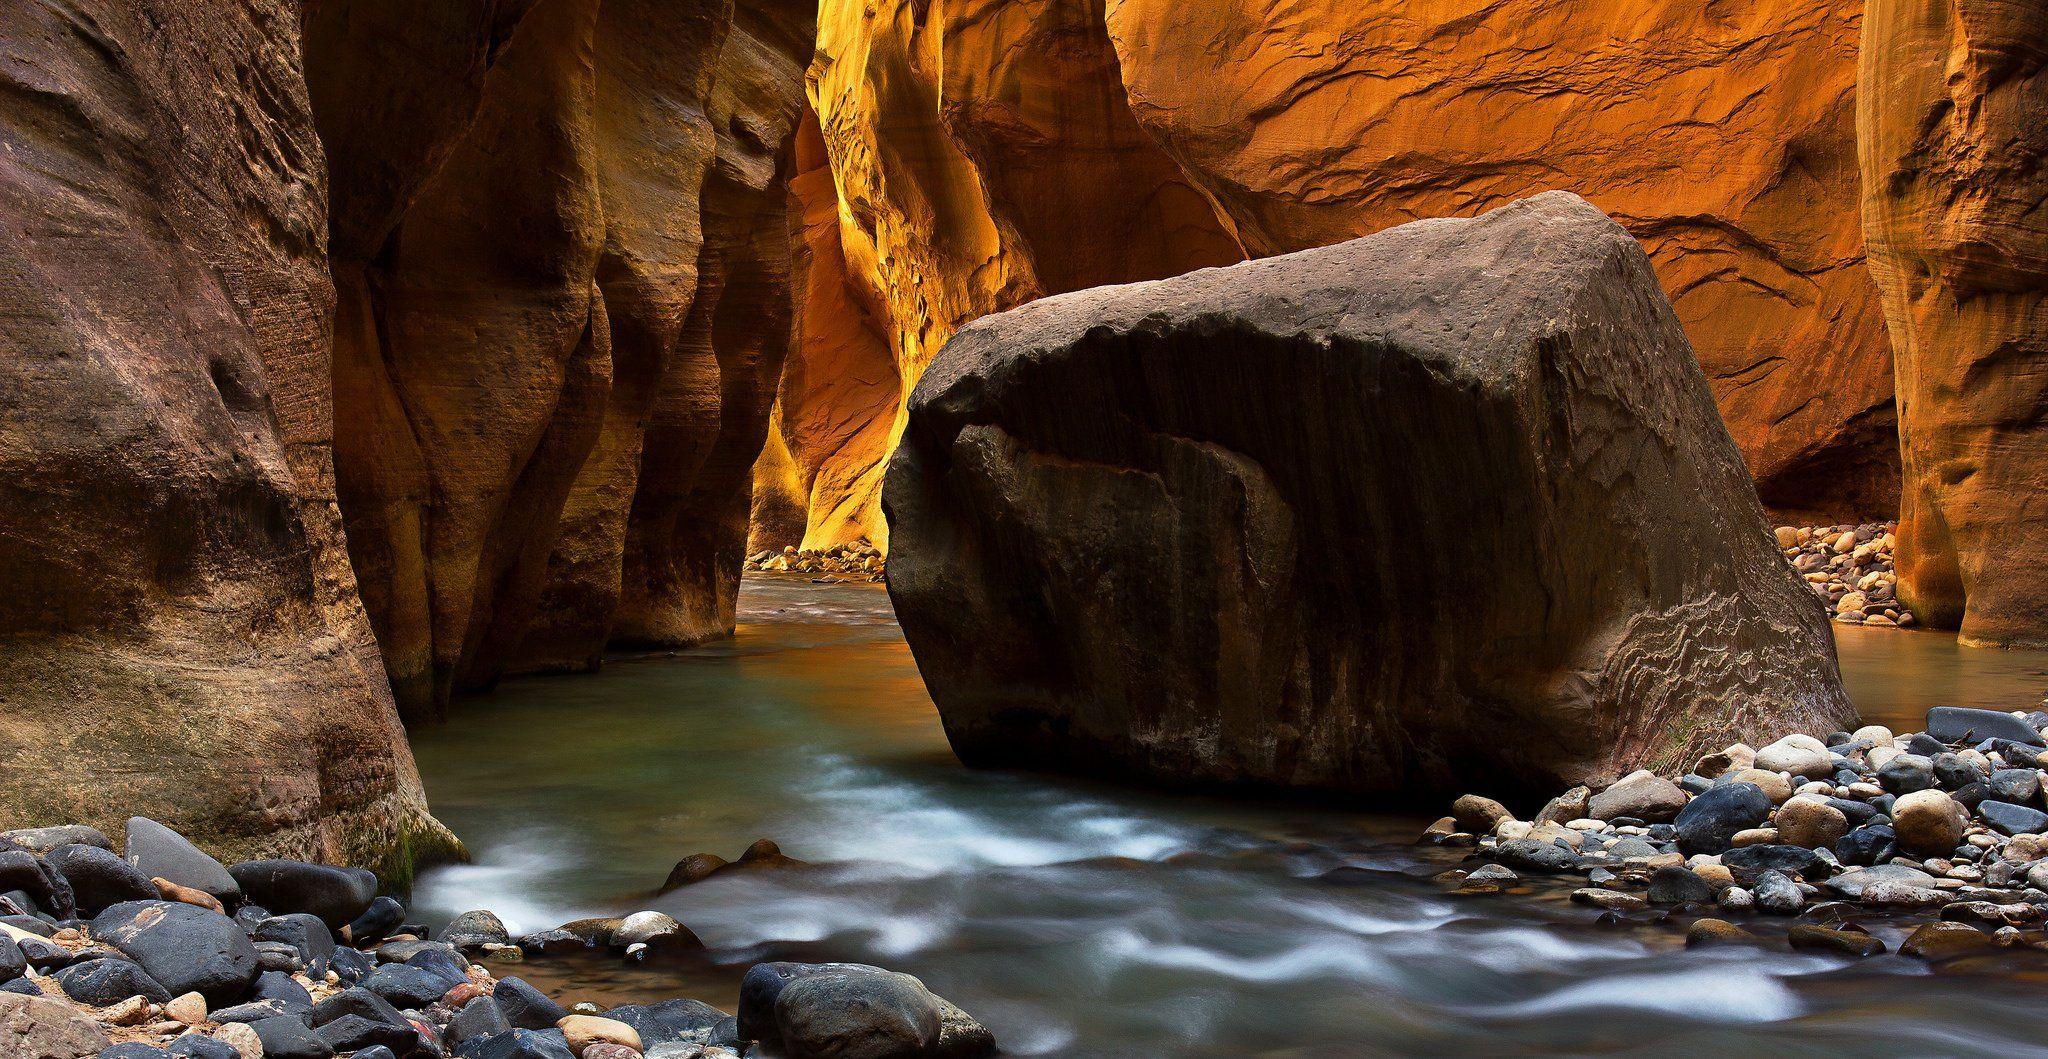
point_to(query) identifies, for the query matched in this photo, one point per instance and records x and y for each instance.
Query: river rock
(1810, 822)
(377, 922)
(1851, 884)
(526, 1007)
(481, 1017)
(520, 1044)
(410, 987)
(199, 1046)
(98, 878)
(2012, 819)
(1799, 755)
(1961, 724)
(28, 873)
(475, 929)
(1778, 894)
(107, 981)
(187, 949)
(1053, 448)
(288, 1038)
(40, 1028)
(1643, 795)
(1774, 785)
(45, 839)
(1814, 938)
(582, 1031)
(1928, 823)
(336, 895)
(162, 853)
(1939, 941)
(856, 1012)
(1791, 860)
(1528, 854)
(305, 933)
(2020, 786)
(1709, 822)
(1906, 774)
(672, 1021)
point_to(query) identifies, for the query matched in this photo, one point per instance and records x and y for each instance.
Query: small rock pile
(858, 561)
(162, 952)
(1850, 569)
(1948, 823)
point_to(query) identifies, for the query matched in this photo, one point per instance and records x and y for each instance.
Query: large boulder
(1954, 148)
(1444, 503)
(186, 948)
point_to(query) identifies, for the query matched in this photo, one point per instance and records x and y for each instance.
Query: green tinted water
(1082, 919)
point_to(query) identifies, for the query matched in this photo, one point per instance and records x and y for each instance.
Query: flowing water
(1080, 919)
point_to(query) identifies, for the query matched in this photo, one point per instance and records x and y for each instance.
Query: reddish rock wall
(181, 634)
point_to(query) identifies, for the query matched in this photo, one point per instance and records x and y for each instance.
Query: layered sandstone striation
(1954, 128)
(1449, 501)
(181, 633)
(538, 409)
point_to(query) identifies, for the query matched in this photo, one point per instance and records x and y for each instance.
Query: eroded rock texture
(1722, 136)
(1954, 132)
(181, 634)
(1452, 501)
(983, 155)
(529, 364)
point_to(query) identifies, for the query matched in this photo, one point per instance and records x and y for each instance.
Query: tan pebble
(241, 1038)
(1788, 536)
(1716, 875)
(1755, 836)
(1775, 786)
(133, 1011)
(68, 934)
(583, 1031)
(189, 1009)
(171, 891)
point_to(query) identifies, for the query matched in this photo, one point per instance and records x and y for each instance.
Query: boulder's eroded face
(1445, 502)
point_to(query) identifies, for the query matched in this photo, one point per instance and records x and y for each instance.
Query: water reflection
(1083, 919)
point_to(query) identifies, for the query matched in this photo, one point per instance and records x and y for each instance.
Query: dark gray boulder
(336, 895)
(165, 854)
(109, 981)
(671, 1021)
(39, 879)
(289, 1038)
(99, 878)
(199, 1046)
(526, 1007)
(1445, 504)
(1709, 822)
(518, 1044)
(306, 934)
(1962, 724)
(185, 947)
(856, 1012)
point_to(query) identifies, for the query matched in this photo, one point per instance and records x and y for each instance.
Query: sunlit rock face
(1721, 135)
(538, 408)
(1446, 503)
(1954, 128)
(983, 155)
(987, 153)
(180, 635)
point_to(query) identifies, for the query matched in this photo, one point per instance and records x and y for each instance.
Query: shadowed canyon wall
(537, 408)
(181, 634)
(1954, 127)
(991, 152)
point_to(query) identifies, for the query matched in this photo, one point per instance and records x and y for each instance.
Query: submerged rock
(1208, 497)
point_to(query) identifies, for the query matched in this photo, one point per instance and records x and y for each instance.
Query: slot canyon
(367, 364)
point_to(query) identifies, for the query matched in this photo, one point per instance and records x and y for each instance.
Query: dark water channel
(1079, 919)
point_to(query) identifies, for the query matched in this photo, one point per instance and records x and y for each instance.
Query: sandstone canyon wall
(990, 152)
(1955, 155)
(181, 633)
(537, 410)
(982, 155)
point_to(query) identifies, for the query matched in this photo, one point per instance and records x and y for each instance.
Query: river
(1082, 919)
